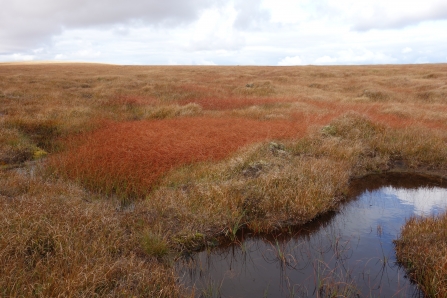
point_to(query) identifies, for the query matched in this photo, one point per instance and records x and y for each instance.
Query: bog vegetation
(108, 172)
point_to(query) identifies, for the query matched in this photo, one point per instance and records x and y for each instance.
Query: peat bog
(108, 173)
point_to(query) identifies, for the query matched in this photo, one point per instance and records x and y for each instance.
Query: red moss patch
(130, 157)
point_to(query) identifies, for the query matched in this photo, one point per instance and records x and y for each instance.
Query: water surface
(349, 252)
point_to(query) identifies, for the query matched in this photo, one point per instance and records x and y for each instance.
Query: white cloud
(205, 62)
(38, 51)
(289, 61)
(60, 57)
(88, 53)
(288, 11)
(385, 14)
(214, 31)
(421, 60)
(121, 30)
(325, 60)
(406, 50)
(358, 56)
(17, 57)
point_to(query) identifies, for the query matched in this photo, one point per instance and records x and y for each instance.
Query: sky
(225, 32)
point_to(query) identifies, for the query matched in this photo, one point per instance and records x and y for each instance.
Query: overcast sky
(225, 32)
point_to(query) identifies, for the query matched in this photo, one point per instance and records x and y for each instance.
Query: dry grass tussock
(211, 149)
(422, 248)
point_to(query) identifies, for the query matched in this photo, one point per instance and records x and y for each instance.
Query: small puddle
(348, 253)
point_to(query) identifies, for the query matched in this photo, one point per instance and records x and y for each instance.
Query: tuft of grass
(190, 242)
(154, 244)
(262, 88)
(376, 95)
(422, 249)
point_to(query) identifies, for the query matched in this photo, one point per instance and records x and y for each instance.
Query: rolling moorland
(108, 173)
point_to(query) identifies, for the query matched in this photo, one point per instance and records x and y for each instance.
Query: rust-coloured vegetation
(128, 158)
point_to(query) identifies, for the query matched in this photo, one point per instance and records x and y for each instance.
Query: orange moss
(130, 157)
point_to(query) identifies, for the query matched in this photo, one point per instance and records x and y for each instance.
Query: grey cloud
(27, 23)
(380, 19)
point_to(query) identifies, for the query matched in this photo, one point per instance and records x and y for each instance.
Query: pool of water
(349, 252)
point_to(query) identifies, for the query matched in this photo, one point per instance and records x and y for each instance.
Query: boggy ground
(109, 171)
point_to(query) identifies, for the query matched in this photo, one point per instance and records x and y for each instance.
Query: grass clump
(264, 88)
(372, 147)
(154, 244)
(422, 250)
(190, 242)
(376, 95)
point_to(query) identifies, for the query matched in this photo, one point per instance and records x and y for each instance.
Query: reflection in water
(349, 253)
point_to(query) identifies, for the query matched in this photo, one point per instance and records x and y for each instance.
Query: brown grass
(55, 241)
(196, 142)
(422, 249)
